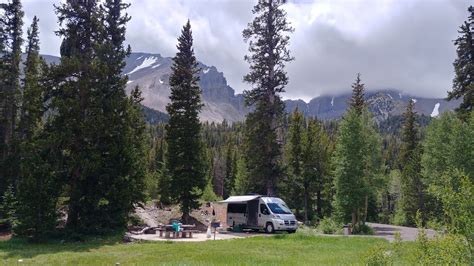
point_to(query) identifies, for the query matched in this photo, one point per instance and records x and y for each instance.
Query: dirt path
(407, 233)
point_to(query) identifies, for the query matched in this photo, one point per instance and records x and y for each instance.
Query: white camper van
(258, 212)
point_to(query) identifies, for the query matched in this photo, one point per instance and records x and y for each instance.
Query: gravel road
(407, 233)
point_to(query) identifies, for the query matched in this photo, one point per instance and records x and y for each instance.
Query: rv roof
(235, 199)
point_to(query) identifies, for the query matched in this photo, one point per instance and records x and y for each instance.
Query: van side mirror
(266, 212)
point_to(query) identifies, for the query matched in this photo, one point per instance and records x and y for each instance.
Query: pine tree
(121, 129)
(76, 107)
(38, 188)
(100, 127)
(268, 47)
(32, 107)
(357, 161)
(349, 169)
(316, 167)
(185, 160)
(8, 207)
(242, 179)
(410, 163)
(463, 83)
(294, 183)
(357, 101)
(11, 23)
(229, 178)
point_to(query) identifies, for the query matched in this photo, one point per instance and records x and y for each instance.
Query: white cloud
(404, 44)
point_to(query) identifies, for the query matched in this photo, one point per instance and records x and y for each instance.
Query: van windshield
(279, 208)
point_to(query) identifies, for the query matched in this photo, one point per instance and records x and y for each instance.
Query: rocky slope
(152, 71)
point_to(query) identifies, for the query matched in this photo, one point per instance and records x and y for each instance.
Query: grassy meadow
(296, 249)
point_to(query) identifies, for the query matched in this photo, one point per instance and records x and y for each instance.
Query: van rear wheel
(291, 231)
(269, 228)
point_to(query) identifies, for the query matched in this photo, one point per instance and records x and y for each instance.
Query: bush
(444, 250)
(379, 255)
(399, 218)
(362, 229)
(135, 220)
(329, 226)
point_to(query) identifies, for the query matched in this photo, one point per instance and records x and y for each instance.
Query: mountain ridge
(151, 71)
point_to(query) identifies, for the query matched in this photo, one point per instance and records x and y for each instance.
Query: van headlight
(276, 216)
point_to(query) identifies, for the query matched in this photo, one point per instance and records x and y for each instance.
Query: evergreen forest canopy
(76, 155)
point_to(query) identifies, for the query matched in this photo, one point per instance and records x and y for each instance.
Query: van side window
(264, 209)
(236, 208)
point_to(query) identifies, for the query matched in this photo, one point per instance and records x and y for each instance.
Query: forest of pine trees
(76, 155)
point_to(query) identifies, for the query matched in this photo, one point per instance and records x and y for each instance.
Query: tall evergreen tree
(120, 124)
(38, 189)
(410, 163)
(229, 178)
(316, 168)
(32, 107)
(11, 22)
(97, 126)
(185, 150)
(357, 101)
(73, 104)
(268, 47)
(357, 161)
(293, 185)
(463, 83)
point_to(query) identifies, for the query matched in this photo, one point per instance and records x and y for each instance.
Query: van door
(263, 214)
(252, 212)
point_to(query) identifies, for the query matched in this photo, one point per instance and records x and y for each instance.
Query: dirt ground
(153, 215)
(198, 237)
(5, 235)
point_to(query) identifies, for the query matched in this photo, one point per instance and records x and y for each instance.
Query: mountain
(382, 103)
(152, 71)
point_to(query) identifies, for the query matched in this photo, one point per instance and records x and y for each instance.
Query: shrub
(135, 220)
(362, 229)
(399, 218)
(329, 226)
(379, 255)
(444, 250)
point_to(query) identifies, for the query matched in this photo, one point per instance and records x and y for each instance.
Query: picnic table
(170, 232)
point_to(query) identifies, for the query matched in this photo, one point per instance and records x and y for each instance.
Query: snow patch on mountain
(161, 81)
(414, 100)
(130, 81)
(139, 58)
(435, 112)
(155, 66)
(332, 101)
(149, 61)
(388, 94)
(400, 95)
(205, 70)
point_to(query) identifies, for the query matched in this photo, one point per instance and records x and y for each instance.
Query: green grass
(297, 249)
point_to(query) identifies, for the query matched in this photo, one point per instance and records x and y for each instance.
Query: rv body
(260, 213)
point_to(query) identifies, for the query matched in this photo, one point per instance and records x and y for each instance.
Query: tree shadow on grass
(23, 249)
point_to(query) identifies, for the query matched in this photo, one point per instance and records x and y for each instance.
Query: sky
(401, 44)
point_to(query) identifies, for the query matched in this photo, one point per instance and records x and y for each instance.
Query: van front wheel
(269, 228)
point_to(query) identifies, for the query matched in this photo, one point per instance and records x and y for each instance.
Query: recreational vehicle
(259, 213)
